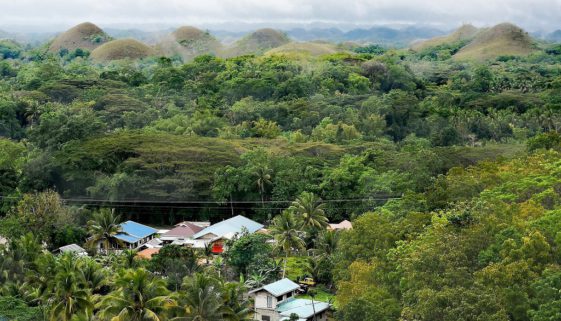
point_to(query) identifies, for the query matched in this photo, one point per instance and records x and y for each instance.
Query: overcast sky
(52, 15)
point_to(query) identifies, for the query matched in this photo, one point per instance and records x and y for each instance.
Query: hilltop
(501, 40)
(122, 49)
(465, 33)
(189, 42)
(258, 42)
(85, 36)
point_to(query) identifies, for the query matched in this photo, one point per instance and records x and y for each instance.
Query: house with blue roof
(277, 302)
(133, 235)
(217, 233)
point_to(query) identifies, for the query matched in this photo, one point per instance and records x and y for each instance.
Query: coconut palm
(202, 299)
(139, 297)
(237, 306)
(69, 297)
(103, 228)
(256, 280)
(327, 242)
(287, 236)
(92, 274)
(309, 209)
(263, 179)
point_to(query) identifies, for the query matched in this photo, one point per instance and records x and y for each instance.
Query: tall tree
(202, 299)
(70, 296)
(103, 228)
(139, 297)
(309, 209)
(286, 234)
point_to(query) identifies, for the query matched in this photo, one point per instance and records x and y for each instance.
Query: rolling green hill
(122, 49)
(257, 42)
(188, 43)
(464, 33)
(85, 36)
(501, 40)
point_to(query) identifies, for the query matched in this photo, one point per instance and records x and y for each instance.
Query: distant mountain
(462, 34)
(379, 35)
(554, 36)
(4, 34)
(149, 37)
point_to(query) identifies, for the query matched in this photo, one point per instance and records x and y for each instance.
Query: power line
(131, 201)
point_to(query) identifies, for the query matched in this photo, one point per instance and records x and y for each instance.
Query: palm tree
(256, 280)
(207, 251)
(129, 258)
(103, 228)
(263, 179)
(286, 234)
(69, 298)
(327, 242)
(139, 297)
(310, 211)
(202, 299)
(237, 305)
(92, 274)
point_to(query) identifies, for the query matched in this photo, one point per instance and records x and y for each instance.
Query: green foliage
(247, 250)
(16, 310)
(174, 262)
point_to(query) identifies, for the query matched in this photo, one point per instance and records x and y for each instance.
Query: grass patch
(296, 267)
(322, 295)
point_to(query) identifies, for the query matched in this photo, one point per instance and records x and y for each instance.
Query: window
(265, 318)
(288, 295)
(269, 301)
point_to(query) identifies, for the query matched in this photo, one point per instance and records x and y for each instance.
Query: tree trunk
(284, 269)
(231, 205)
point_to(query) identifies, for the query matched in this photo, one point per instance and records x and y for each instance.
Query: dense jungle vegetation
(450, 172)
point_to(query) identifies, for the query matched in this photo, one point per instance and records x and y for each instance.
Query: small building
(147, 254)
(183, 231)
(218, 233)
(203, 224)
(71, 248)
(134, 235)
(344, 225)
(276, 302)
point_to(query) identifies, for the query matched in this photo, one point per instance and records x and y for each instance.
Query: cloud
(535, 14)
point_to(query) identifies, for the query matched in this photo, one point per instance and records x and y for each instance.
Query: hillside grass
(84, 36)
(501, 40)
(122, 49)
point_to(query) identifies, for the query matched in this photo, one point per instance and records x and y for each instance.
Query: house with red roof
(181, 232)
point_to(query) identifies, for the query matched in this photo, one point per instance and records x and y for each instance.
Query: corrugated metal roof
(127, 238)
(281, 287)
(231, 225)
(74, 248)
(302, 307)
(133, 231)
(186, 230)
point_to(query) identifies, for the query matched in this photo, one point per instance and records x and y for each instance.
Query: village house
(181, 232)
(344, 225)
(217, 234)
(133, 235)
(277, 302)
(71, 248)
